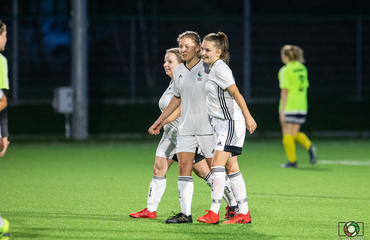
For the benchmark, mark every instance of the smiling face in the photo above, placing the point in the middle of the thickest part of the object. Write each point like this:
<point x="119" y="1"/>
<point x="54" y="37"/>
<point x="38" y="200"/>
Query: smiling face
<point x="3" y="38"/>
<point x="210" y="53"/>
<point x="188" y="49"/>
<point x="170" y="63"/>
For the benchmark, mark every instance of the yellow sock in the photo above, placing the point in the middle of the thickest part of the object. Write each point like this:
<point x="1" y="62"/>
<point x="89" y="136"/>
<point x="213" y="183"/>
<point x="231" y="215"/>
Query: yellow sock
<point x="289" y="146"/>
<point x="303" y="140"/>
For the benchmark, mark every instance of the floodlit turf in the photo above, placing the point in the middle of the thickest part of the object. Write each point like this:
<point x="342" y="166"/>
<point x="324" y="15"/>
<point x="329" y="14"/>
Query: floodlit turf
<point x="87" y="190"/>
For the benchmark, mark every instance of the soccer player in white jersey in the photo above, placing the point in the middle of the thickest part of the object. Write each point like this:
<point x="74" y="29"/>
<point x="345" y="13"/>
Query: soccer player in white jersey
<point x="229" y="117"/>
<point x="194" y="129"/>
<point x="166" y="151"/>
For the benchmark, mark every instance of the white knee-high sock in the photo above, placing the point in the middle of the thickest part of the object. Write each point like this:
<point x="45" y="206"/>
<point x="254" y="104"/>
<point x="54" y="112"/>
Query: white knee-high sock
<point x="186" y="189"/>
<point x="229" y="193"/>
<point x="1" y="222"/>
<point x="238" y="185"/>
<point x="218" y="186"/>
<point x="156" y="190"/>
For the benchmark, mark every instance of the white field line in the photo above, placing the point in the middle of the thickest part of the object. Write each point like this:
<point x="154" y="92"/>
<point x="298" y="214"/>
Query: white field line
<point x="355" y="162"/>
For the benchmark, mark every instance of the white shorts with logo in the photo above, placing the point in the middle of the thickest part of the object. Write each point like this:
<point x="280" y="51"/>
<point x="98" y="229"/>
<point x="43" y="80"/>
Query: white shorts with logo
<point x="191" y="143"/>
<point x="167" y="149"/>
<point x="229" y="135"/>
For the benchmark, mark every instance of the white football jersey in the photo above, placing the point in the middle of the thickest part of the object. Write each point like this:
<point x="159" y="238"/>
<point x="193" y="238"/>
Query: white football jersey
<point x="169" y="129"/>
<point x="189" y="85"/>
<point x="220" y="104"/>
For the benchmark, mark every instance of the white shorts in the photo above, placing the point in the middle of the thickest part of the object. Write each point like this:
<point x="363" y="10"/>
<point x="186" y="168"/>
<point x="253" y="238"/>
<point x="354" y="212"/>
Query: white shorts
<point x="229" y="135"/>
<point x="191" y="143"/>
<point x="167" y="149"/>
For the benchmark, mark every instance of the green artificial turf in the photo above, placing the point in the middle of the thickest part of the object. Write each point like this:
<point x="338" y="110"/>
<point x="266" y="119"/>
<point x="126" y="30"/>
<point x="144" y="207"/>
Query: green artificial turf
<point x="87" y="190"/>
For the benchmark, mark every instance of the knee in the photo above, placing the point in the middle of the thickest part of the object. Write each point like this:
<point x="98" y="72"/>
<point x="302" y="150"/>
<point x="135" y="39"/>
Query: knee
<point x="160" y="170"/>
<point x="232" y="170"/>
<point x="185" y="169"/>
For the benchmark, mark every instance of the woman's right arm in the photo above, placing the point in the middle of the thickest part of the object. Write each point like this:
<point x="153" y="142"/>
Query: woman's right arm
<point x="283" y="97"/>
<point x="175" y="115"/>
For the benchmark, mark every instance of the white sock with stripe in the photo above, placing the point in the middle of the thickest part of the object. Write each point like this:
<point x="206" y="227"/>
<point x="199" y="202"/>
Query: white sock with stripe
<point x="156" y="190"/>
<point x="186" y="190"/>
<point x="218" y="186"/>
<point x="238" y="185"/>
<point x="229" y="193"/>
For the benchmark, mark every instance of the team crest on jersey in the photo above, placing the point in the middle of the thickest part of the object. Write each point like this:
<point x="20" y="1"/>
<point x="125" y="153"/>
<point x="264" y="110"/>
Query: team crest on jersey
<point x="199" y="76"/>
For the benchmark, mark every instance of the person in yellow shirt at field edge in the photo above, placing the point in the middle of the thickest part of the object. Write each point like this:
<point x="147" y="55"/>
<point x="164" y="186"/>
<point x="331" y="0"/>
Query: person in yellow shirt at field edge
<point x="293" y="83"/>
<point x="4" y="224"/>
<point x="4" y="85"/>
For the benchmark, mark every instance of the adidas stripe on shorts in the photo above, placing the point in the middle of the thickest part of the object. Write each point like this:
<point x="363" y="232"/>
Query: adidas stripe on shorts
<point x="229" y="135"/>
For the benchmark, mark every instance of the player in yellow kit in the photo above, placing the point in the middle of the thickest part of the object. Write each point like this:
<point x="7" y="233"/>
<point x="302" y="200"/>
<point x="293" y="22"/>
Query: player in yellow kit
<point x="4" y="85"/>
<point x="293" y="83"/>
<point x="4" y="224"/>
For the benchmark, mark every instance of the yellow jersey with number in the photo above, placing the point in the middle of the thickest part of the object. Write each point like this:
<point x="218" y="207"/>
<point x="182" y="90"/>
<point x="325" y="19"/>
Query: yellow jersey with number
<point x="293" y="76"/>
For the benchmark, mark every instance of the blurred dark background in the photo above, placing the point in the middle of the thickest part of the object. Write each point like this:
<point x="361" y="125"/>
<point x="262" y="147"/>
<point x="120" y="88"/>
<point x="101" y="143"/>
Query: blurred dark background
<point x="335" y="36"/>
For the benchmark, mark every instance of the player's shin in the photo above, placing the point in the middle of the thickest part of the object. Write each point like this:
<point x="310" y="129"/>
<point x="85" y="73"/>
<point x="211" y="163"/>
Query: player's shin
<point x="186" y="189"/>
<point x="156" y="190"/>
<point x="240" y="191"/>
<point x="218" y="186"/>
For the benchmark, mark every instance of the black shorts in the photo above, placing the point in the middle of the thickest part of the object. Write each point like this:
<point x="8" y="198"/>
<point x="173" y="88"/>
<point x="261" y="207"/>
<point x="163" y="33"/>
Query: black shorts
<point x="295" y="118"/>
